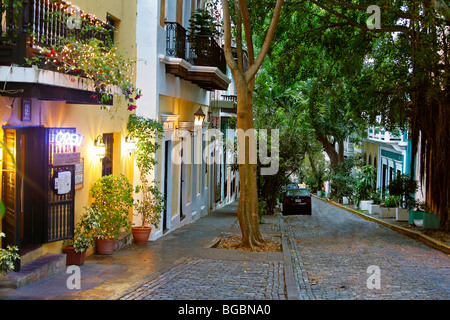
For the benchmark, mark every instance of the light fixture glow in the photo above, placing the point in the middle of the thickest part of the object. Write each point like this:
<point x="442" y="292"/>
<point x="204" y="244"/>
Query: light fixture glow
<point x="100" y="147"/>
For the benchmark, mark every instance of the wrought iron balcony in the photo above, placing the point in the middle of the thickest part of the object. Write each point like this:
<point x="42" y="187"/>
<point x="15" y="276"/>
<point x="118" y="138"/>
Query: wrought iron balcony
<point x="198" y="51"/>
<point x="27" y="26"/>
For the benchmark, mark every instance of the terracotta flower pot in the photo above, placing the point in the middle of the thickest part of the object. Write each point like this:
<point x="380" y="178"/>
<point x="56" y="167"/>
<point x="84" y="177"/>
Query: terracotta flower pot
<point x="105" y="246"/>
<point x="141" y="234"/>
<point x="74" y="258"/>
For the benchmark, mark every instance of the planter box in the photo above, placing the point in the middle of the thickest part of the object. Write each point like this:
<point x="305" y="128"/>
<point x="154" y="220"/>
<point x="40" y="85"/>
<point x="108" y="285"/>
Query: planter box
<point x="415" y="215"/>
<point x="431" y="220"/>
<point x="387" y="213"/>
<point x="365" y="204"/>
<point x="374" y="209"/>
<point x="401" y="214"/>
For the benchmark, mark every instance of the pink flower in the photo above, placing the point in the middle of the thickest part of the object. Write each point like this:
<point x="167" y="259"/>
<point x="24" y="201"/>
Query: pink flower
<point x="131" y="107"/>
<point x="94" y="96"/>
<point x="138" y="96"/>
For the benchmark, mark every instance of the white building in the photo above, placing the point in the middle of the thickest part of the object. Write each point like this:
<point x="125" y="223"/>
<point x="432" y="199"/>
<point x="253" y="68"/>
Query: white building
<point x="176" y="81"/>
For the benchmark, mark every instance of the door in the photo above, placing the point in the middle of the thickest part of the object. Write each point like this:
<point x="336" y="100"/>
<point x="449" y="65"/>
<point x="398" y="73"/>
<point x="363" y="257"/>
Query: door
<point x="107" y="161"/>
<point x="166" y="181"/>
<point x="11" y="185"/>
<point x="182" y="180"/>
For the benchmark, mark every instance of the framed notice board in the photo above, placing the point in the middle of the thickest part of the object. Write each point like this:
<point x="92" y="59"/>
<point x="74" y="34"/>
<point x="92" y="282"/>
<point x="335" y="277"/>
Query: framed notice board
<point x="79" y="174"/>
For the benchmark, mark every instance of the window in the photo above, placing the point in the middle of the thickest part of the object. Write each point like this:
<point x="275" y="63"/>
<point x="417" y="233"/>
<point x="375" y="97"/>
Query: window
<point x="297" y="192"/>
<point x="107" y="161"/>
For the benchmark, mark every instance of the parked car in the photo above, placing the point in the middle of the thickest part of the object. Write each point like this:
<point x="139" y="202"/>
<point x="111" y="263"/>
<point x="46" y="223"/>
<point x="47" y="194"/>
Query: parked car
<point x="296" y="201"/>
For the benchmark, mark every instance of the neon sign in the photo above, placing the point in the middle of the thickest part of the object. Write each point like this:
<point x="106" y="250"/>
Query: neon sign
<point x="68" y="138"/>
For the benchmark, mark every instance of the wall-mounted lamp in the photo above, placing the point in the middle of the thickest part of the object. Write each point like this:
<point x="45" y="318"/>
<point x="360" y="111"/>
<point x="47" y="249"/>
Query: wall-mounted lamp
<point x="100" y="147"/>
<point x="130" y="144"/>
<point x="199" y="118"/>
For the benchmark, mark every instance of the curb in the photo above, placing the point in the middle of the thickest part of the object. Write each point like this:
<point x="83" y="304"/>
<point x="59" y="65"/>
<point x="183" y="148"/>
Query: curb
<point x="289" y="279"/>
<point x="410" y="233"/>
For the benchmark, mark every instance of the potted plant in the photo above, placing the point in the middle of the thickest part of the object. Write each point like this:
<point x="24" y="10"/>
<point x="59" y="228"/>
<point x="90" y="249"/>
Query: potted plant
<point x="8" y="257"/>
<point x="390" y="203"/>
<point x="112" y="201"/>
<point x="148" y="207"/>
<point x="203" y="28"/>
<point x="374" y="207"/>
<point x="76" y="248"/>
<point x="365" y="184"/>
<point x="423" y="216"/>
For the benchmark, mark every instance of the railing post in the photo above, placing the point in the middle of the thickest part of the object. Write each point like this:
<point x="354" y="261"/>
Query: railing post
<point x="23" y="38"/>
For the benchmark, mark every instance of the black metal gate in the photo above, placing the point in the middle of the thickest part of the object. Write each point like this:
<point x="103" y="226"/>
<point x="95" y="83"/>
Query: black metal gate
<point x="59" y="221"/>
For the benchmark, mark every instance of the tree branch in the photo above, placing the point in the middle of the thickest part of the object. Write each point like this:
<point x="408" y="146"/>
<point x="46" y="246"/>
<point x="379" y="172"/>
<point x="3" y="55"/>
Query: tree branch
<point x="359" y="25"/>
<point x="251" y="72"/>
<point x="227" y="34"/>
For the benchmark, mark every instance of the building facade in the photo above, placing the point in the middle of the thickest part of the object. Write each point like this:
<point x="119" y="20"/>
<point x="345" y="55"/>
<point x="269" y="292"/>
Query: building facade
<point x="52" y="123"/>
<point x="179" y="80"/>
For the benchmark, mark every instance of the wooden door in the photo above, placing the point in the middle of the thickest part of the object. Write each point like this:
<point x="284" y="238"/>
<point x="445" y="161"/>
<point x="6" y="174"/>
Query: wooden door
<point x="11" y="224"/>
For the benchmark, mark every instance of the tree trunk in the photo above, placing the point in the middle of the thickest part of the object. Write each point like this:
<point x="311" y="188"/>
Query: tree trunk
<point x="248" y="202"/>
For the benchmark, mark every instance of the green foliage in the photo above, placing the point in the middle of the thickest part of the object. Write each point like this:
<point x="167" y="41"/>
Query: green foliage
<point x="392" y="201"/>
<point x="86" y="230"/>
<point x="405" y="188"/>
<point x="7" y="257"/>
<point x="343" y="183"/>
<point x="145" y="132"/>
<point x="202" y="23"/>
<point x="376" y="197"/>
<point x="365" y="183"/>
<point x="112" y="200"/>
<point x="97" y="61"/>
<point x="279" y="107"/>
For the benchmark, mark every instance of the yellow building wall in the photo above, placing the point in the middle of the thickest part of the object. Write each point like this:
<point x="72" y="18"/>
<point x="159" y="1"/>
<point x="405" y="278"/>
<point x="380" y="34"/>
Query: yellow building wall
<point x="89" y="120"/>
<point x="370" y="149"/>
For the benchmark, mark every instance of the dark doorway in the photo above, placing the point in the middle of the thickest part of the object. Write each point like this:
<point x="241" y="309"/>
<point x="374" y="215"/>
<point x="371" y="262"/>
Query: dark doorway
<point x="166" y="181"/>
<point x="107" y="161"/>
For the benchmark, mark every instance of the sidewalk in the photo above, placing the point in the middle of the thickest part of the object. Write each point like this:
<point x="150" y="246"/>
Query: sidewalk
<point x="181" y="265"/>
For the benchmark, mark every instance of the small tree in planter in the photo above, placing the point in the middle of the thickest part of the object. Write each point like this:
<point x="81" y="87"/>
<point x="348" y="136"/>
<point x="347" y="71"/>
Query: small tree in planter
<point x="404" y="187"/>
<point x="202" y="29"/>
<point x="145" y="132"/>
<point x="113" y="198"/>
<point x="365" y="184"/>
<point x="84" y="237"/>
<point x="8" y="257"/>
<point x="375" y="197"/>
<point x="390" y="203"/>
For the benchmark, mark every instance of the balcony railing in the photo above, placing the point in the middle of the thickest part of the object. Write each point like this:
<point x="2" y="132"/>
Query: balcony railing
<point x="30" y="24"/>
<point x="199" y="50"/>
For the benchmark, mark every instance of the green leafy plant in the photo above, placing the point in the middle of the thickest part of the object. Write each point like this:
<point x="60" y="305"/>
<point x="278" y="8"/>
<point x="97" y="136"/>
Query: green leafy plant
<point x="145" y="132"/>
<point x="392" y="201"/>
<point x="365" y="183"/>
<point x="113" y="197"/>
<point x="375" y="196"/>
<point x="8" y="257"/>
<point x="404" y="187"/>
<point x="85" y="231"/>
<point x="202" y="28"/>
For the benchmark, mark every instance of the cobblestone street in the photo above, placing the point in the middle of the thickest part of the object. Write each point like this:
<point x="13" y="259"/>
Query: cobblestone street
<point x="334" y="248"/>
<point x="330" y="253"/>
<point x="325" y="256"/>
